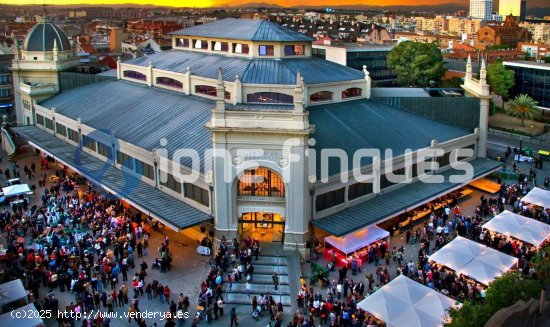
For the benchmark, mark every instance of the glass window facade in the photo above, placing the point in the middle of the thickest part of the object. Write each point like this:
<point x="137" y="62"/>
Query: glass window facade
<point x="182" y="43"/>
<point x="124" y="160"/>
<point x="269" y="97"/>
<point x="145" y="169"/>
<point x="89" y="143"/>
<point x="261" y="182"/>
<point x="266" y="50"/>
<point x="376" y="62"/>
<point x="319" y="53"/>
<point x="294" y="50"/>
<point x="197" y="194"/>
<point x="104" y="150"/>
<point x="352" y="92"/>
<point x="533" y="82"/>
<point x="72" y="135"/>
<point x="210" y="91"/>
<point x="48" y="123"/>
<point x="61" y="129"/>
<point x="39" y="120"/>
<point x="240" y="48"/>
<point x="329" y="199"/>
<point x="134" y="75"/>
<point x="321" y="96"/>
<point x="359" y="189"/>
<point x="167" y="81"/>
<point x="220" y="46"/>
<point x="171" y="183"/>
<point x="200" y="44"/>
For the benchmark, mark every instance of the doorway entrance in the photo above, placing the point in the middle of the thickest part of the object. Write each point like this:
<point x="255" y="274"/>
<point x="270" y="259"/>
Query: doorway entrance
<point x="263" y="226"/>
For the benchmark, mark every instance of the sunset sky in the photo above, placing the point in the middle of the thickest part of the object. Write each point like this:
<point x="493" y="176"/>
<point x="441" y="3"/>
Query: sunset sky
<point x="285" y="3"/>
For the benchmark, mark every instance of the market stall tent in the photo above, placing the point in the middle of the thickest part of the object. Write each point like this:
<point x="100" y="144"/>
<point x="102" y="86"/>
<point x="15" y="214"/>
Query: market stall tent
<point x="28" y="317"/>
<point x="478" y="261"/>
<point x="404" y="302"/>
<point x="16" y="190"/>
<point x="538" y="196"/>
<point x="523" y="228"/>
<point x="358" y="240"/>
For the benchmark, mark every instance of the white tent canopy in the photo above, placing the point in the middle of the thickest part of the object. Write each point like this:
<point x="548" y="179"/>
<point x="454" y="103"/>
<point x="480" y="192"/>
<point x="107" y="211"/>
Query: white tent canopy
<point x="12" y="291"/>
<point x="404" y="302"/>
<point x="16" y="190"/>
<point x="474" y="260"/>
<point x="358" y="240"/>
<point x="27" y="318"/>
<point x="538" y="196"/>
<point x="523" y="228"/>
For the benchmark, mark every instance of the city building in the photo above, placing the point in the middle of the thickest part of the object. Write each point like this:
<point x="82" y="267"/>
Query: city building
<point x="534" y="50"/>
<point x="533" y="79"/>
<point x="443" y="41"/>
<point x="7" y="103"/>
<point x="155" y="28"/>
<point x="460" y="26"/>
<point x="356" y="55"/>
<point x="515" y="8"/>
<point x="233" y="124"/>
<point x="508" y="33"/>
<point x="540" y="31"/>
<point x="482" y="9"/>
<point x="116" y="37"/>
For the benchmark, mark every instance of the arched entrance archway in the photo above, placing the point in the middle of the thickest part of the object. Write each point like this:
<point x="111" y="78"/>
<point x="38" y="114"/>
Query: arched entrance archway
<point x="261" y="205"/>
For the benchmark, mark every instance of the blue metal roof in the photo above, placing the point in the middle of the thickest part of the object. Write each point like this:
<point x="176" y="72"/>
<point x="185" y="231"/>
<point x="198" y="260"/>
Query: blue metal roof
<point x="244" y="29"/>
<point x="364" y="123"/>
<point x="251" y="70"/>
<point x="160" y="205"/>
<point x="390" y="204"/>
<point x="140" y="115"/>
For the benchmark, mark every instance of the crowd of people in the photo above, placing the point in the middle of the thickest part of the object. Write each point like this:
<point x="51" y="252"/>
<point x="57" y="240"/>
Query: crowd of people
<point x="235" y="260"/>
<point x="78" y="240"/>
<point x="334" y="302"/>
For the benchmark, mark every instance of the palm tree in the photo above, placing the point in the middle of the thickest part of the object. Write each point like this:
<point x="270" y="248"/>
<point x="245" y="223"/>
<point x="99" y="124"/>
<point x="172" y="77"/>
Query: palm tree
<point x="523" y="106"/>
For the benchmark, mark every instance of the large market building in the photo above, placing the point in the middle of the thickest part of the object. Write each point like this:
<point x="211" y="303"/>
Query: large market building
<point x="234" y="94"/>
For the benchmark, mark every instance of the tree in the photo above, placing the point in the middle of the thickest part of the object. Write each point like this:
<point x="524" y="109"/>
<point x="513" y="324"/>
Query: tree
<point x="523" y="106"/>
<point x="500" y="79"/>
<point x="416" y="64"/>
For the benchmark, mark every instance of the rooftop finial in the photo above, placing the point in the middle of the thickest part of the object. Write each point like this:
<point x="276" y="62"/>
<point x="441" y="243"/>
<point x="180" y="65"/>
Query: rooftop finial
<point x="220" y="76"/>
<point x="298" y="78"/>
<point x="45" y="11"/>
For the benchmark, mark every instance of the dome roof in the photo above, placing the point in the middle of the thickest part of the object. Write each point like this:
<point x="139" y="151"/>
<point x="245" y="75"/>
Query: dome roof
<point x="42" y="35"/>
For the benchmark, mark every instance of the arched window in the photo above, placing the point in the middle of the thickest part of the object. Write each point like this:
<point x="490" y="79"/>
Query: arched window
<point x="210" y="91"/>
<point x="134" y="75"/>
<point x="352" y="92"/>
<point x="167" y="81"/>
<point x="321" y="96"/>
<point x="261" y="182"/>
<point x="269" y="97"/>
